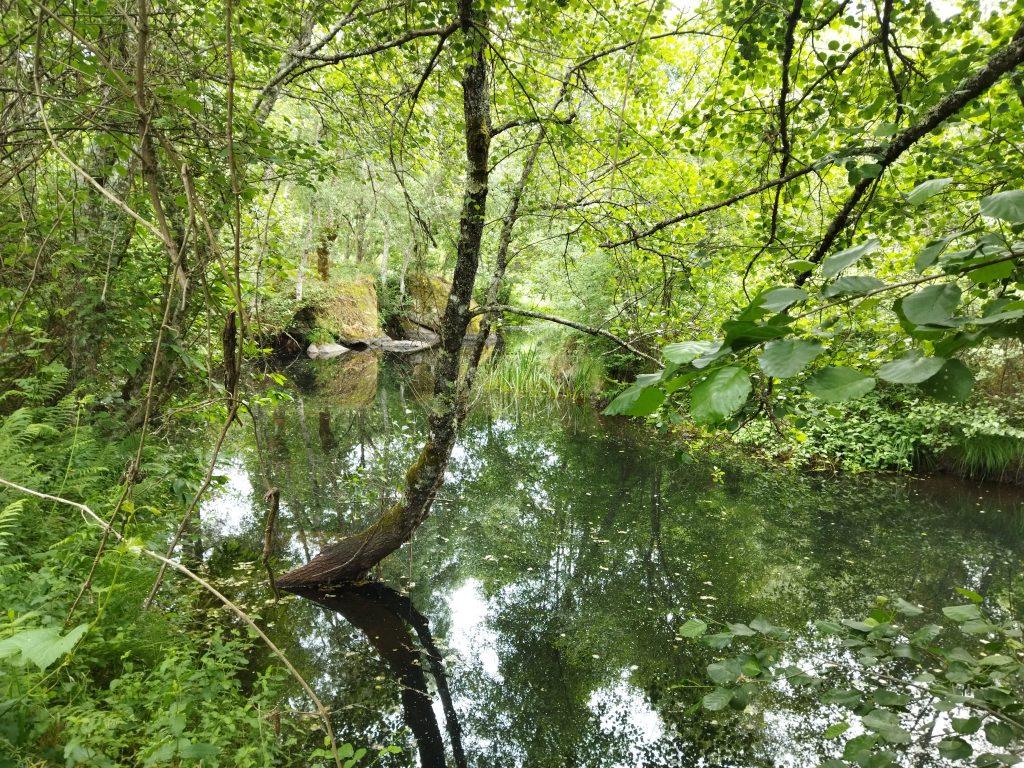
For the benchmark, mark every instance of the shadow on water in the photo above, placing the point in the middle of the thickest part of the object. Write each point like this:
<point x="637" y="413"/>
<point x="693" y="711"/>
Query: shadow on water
<point x="402" y="638"/>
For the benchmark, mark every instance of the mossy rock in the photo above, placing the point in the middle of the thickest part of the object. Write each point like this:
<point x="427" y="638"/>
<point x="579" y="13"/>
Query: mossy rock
<point x="350" y="312"/>
<point x="427" y="297"/>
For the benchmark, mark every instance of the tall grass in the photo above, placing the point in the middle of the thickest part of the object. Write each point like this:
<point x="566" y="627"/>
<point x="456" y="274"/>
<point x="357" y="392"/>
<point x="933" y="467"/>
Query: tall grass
<point x="991" y="457"/>
<point x="541" y="367"/>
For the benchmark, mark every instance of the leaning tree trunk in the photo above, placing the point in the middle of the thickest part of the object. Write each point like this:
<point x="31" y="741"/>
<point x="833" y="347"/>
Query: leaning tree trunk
<point x="353" y="557"/>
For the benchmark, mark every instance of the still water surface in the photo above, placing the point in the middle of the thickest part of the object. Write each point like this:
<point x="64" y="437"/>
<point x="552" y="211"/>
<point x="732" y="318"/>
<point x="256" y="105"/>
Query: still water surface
<point x="534" y="620"/>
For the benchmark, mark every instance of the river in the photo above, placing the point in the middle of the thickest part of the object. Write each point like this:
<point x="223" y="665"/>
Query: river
<point x="534" y="620"/>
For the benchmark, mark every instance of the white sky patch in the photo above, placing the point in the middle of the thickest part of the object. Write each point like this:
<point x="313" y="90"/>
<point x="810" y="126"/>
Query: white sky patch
<point x="624" y="710"/>
<point x="227" y="510"/>
<point x="469" y="636"/>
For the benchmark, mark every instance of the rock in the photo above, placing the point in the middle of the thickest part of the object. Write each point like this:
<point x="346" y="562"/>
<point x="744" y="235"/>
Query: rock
<point x="327" y="351"/>
<point x="351" y="313"/>
<point x="313" y="350"/>
<point x="428" y="296"/>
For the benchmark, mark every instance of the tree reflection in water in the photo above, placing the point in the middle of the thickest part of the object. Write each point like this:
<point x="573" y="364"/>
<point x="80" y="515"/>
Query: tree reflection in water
<point x="392" y="624"/>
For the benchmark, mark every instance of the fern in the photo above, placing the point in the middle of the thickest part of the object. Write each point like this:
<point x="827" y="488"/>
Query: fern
<point x="8" y="521"/>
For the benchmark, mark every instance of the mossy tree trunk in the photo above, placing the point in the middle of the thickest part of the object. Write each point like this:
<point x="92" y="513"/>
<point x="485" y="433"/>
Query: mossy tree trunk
<point x="352" y="558"/>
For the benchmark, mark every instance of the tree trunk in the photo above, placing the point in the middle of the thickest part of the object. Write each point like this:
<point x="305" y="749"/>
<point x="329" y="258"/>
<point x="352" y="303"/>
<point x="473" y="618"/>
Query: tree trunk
<point x="352" y="558"/>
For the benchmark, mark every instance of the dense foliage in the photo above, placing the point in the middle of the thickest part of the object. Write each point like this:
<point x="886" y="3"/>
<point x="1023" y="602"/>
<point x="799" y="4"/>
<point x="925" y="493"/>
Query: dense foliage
<point x="799" y="221"/>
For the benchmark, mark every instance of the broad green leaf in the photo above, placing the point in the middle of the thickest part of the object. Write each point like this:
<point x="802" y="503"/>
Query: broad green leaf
<point x="954" y="748"/>
<point x="995" y="660"/>
<point x="852" y="285"/>
<point x="42" y="646"/>
<point x="1008" y="206"/>
<point x="930" y="253"/>
<point x="778" y="299"/>
<point x="693" y="628"/>
<point x="717" y="700"/>
<point x="971" y="595"/>
<point x="966" y="725"/>
<point x="684" y="352"/>
<point x="998" y="734"/>
<point x="911" y="368"/>
<point x="962" y="612"/>
<point x="933" y="305"/>
<point x="723" y="672"/>
<point x="927" y="189"/>
<point x="787" y="357"/>
<point x="720" y="395"/>
<point x="907" y="608"/>
<point x="836" y="384"/>
<point x="636" y="401"/>
<point x="885" y="698"/>
<point x="993" y="272"/>
<point x="953" y="383"/>
<point x="836" y="263"/>
<point x="878" y="719"/>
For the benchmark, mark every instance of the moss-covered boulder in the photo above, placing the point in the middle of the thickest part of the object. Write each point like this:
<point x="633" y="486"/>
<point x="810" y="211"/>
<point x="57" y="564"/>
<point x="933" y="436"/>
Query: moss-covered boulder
<point x="427" y="296"/>
<point x="349" y="313"/>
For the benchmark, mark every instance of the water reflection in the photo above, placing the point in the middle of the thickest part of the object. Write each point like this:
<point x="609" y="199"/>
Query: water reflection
<point x="562" y="557"/>
<point x="390" y="622"/>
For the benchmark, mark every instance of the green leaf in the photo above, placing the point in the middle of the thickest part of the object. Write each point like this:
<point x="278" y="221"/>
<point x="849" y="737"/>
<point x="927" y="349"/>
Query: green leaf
<point x="685" y="352"/>
<point x="970" y="594"/>
<point x="885" y="698"/>
<point x="836" y="729"/>
<point x="778" y="299"/>
<point x="836" y="263"/>
<point x="717" y="700"/>
<point x="693" y="628"/>
<point x="720" y="395"/>
<point x="998" y="734"/>
<point x="927" y="189"/>
<point x="955" y="748"/>
<point x="836" y="384"/>
<point x="1008" y="206"/>
<point x="952" y="384"/>
<point x="726" y="671"/>
<point x="852" y="285"/>
<point x="907" y="608"/>
<point x="787" y="357"/>
<point x="741" y="630"/>
<point x="42" y="646"/>
<point x="930" y="253"/>
<point x="636" y="401"/>
<point x="881" y="719"/>
<point x="995" y="660"/>
<point x="962" y="613"/>
<point x="933" y="305"/>
<point x="911" y="368"/>
<point x="991" y="273"/>
<point x="966" y="725"/>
